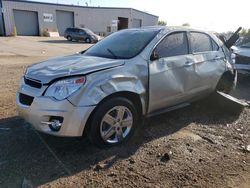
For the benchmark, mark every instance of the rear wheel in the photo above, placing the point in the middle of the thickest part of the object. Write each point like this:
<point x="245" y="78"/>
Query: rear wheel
<point x="114" y="122"/>
<point x="69" y="38"/>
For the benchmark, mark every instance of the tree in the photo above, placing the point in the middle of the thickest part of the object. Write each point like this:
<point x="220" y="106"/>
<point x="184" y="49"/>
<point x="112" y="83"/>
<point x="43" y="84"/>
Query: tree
<point x="245" y="32"/>
<point x="186" y="24"/>
<point x="161" y="22"/>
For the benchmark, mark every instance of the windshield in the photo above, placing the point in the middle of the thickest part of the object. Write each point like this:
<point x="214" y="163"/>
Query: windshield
<point x="243" y="42"/>
<point x="89" y="31"/>
<point x="124" y="44"/>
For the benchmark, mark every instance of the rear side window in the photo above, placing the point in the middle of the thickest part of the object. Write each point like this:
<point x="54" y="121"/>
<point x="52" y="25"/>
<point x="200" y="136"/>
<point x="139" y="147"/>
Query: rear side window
<point x="173" y="45"/>
<point x="200" y="42"/>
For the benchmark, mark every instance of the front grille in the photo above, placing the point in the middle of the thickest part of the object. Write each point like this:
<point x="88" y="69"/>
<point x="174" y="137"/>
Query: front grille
<point x="33" y="83"/>
<point x="25" y="99"/>
<point x="239" y="59"/>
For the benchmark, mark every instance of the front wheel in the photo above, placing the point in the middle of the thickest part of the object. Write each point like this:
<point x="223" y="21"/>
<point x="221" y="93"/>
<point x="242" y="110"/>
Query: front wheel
<point x="87" y="40"/>
<point x="114" y="122"/>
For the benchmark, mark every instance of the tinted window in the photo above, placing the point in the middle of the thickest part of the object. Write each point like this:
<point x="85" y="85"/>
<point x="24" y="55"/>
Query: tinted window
<point x="69" y="30"/>
<point x="124" y="44"/>
<point x="173" y="45"/>
<point x="82" y="31"/>
<point x="200" y="42"/>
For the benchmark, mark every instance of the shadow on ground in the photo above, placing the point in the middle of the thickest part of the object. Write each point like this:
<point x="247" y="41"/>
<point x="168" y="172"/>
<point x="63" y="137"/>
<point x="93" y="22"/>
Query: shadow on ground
<point x="62" y="42"/>
<point x="243" y="88"/>
<point x="24" y="154"/>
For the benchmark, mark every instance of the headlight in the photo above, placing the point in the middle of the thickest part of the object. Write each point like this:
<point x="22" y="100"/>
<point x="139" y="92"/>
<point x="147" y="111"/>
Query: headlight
<point x="64" y="88"/>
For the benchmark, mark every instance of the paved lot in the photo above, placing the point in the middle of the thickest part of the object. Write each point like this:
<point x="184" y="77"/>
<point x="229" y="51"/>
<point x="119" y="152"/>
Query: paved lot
<point x="205" y="144"/>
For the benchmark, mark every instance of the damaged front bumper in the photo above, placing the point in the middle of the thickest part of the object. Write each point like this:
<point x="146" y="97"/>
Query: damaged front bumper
<point x="41" y="110"/>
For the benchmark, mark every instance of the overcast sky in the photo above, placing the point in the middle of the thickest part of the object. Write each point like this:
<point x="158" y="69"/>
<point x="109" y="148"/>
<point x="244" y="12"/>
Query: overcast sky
<point x="216" y="15"/>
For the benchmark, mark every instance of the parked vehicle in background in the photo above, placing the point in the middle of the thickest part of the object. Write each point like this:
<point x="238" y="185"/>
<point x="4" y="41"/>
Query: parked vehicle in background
<point x="242" y="55"/>
<point x="81" y="34"/>
<point x="106" y="90"/>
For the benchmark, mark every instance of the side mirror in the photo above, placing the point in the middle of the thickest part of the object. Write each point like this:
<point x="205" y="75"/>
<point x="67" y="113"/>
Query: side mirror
<point x="154" y="56"/>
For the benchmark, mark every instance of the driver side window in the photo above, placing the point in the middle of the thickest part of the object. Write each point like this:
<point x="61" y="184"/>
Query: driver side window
<point x="81" y="32"/>
<point x="173" y="45"/>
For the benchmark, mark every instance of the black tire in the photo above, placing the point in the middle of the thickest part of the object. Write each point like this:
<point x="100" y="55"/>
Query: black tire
<point x="94" y="133"/>
<point x="88" y="40"/>
<point x="69" y="38"/>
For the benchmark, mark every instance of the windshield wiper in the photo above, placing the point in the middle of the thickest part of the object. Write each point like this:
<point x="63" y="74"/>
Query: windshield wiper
<point x="111" y="52"/>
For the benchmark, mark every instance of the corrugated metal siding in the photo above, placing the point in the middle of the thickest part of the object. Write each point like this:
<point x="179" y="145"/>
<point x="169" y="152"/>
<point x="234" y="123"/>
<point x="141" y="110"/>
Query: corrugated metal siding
<point x="95" y="18"/>
<point x="136" y="23"/>
<point x="64" y="20"/>
<point x="147" y="19"/>
<point x="26" y="23"/>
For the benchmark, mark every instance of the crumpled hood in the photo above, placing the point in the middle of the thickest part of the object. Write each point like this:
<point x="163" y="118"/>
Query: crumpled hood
<point x="76" y="64"/>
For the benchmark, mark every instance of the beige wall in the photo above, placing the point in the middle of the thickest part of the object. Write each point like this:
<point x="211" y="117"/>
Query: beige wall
<point x="97" y="19"/>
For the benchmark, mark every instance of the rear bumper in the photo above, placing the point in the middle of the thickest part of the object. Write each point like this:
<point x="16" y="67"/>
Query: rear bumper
<point x="43" y="108"/>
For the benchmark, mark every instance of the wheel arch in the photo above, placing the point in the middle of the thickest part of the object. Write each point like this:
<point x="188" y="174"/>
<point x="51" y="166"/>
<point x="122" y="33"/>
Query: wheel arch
<point x="133" y="97"/>
<point x="228" y="79"/>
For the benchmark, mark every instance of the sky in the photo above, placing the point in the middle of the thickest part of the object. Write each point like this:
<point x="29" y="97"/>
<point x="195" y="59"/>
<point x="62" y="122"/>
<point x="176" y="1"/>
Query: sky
<point x="213" y="15"/>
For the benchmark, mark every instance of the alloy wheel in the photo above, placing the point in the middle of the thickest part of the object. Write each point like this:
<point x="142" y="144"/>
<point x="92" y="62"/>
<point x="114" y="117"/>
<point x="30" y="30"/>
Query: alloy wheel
<point x="116" y="124"/>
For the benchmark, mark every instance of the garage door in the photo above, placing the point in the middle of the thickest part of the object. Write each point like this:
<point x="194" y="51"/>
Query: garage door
<point x="26" y="23"/>
<point x="64" y="20"/>
<point x="136" y="23"/>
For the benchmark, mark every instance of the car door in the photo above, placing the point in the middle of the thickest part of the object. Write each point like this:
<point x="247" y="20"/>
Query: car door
<point x="209" y="61"/>
<point x="82" y="34"/>
<point x="171" y="73"/>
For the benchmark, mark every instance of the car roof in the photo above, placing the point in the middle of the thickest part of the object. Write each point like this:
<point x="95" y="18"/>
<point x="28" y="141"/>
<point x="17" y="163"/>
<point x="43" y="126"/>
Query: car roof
<point x="173" y="28"/>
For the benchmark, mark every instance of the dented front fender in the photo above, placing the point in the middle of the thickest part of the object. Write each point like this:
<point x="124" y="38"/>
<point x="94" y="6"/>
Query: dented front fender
<point x="131" y="77"/>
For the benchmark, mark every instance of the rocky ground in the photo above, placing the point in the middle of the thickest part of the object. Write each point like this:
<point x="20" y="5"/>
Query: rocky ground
<point x="199" y="146"/>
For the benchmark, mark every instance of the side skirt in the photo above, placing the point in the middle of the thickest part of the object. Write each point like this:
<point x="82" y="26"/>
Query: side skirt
<point x="164" y="110"/>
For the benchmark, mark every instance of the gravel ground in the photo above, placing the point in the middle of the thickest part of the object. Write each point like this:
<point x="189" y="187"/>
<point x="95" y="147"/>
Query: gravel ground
<point x="198" y="146"/>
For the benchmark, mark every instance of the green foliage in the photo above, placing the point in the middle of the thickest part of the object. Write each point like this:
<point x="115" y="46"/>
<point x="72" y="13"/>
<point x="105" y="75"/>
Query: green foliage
<point x="161" y="22"/>
<point x="245" y="32"/>
<point x="186" y="24"/>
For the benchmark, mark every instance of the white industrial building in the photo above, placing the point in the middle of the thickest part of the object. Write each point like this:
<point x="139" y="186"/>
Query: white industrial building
<point x="34" y="18"/>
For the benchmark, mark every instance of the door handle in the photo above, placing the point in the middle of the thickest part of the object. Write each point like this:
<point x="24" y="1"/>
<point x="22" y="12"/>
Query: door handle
<point x="218" y="57"/>
<point x="188" y="63"/>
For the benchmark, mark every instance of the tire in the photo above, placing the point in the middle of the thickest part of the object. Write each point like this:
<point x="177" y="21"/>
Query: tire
<point x="69" y="38"/>
<point x="107" y="128"/>
<point x="87" y="40"/>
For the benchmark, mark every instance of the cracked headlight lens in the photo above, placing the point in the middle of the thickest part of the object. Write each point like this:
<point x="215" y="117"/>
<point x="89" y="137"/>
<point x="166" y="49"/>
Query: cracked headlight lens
<point x="64" y="88"/>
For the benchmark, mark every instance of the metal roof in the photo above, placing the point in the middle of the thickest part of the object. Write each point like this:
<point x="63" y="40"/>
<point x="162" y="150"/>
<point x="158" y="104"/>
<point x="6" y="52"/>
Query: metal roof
<point x="78" y="6"/>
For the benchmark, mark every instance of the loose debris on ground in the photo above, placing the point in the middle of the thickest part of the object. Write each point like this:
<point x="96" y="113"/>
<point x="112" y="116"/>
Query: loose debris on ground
<point x="202" y="145"/>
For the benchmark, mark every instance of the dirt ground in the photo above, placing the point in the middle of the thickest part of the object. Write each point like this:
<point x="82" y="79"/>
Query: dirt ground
<point x="198" y="146"/>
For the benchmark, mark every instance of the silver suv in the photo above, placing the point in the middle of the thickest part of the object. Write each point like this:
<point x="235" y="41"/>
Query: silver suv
<point x="106" y="90"/>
